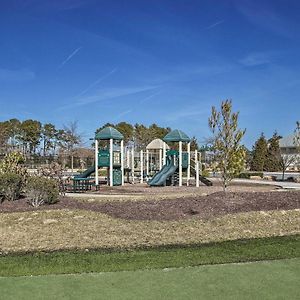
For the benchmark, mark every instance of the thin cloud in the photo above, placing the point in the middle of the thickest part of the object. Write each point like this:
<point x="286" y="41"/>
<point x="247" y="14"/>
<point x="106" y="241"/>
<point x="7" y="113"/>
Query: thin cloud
<point x="215" y="24"/>
<point x="107" y="95"/>
<point x="256" y="59"/>
<point x="100" y="79"/>
<point x="122" y="114"/>
<point x="149" y="97"/>
<point x="70" y="57"/>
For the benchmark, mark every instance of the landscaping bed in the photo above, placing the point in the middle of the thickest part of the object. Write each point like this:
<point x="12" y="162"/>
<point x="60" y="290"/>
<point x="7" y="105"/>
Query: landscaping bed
<point x="204" y="207"/>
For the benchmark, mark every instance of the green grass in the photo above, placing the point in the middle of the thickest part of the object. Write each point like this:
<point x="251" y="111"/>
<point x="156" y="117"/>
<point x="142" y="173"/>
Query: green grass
<point x="66" y="262"/>
<point x="259" y="280"/>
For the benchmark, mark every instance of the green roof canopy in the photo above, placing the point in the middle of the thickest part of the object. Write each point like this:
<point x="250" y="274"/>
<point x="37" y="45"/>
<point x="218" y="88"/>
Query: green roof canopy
<point x="176" y="136"/>
<point x="108" y="133"/>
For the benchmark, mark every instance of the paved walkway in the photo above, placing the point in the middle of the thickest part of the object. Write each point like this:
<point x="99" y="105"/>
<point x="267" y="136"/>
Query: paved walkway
<point x="283" y="184"/>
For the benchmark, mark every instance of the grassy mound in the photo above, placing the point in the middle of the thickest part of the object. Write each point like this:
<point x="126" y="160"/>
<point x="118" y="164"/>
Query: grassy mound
<point x="78" y="261"/>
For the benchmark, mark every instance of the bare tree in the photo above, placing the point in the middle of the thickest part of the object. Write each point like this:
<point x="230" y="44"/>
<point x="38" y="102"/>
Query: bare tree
<point x="71" y="139"/>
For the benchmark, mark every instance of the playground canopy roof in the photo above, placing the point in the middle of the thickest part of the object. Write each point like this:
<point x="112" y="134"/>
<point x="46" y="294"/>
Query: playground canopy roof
<point x="156" y="144"/>
<point x="108" y="133"/>
<point x="176" y="136"/>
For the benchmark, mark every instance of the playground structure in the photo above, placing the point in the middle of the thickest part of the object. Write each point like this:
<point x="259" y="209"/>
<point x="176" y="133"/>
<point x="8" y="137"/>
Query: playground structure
<point x="159" y="165"/>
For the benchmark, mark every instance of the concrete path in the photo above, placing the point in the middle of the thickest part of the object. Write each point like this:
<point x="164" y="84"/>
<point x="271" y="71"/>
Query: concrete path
<point x="283" y="184"/>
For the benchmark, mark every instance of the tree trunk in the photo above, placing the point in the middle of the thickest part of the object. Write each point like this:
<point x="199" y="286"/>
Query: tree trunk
<point x="72" y="163"/>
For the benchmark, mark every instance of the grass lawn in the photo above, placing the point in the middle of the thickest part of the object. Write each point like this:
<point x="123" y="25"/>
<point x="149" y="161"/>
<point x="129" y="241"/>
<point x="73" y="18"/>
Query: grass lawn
<point x="259" y="280"/>
<point x="64" y="262"/>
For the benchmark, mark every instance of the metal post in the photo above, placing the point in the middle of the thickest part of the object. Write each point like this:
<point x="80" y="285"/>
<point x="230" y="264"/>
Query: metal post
<point x="122" y="161"/>
<point x="189" y="163"/>
<point x="111" y="153"/>
<point x="96" y="164"/>
<point x="180" y="163"/>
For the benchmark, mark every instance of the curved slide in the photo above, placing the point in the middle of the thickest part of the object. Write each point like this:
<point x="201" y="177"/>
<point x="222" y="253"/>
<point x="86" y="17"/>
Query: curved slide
<point x="160" y="178"/>
<point x="86" y="173"/>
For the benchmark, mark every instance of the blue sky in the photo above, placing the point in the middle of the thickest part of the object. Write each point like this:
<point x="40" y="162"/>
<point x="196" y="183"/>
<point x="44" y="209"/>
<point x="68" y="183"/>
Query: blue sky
<point x="155" y="61"/>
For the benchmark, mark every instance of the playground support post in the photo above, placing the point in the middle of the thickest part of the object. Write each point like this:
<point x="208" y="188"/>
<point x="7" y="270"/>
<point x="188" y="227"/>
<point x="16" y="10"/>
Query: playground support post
<point x="200" y="164"/>
<point x="127" y="159"/>
<point x="189" y="163"/>
<point x="197" y="173"/>
<point x="164" y="153"/>
<point x="180" y="163"/>
<point x="160" y="158"/>
<point x="142" y="166"/>
<point x="132" y="164"/>
<point x="111" y="153"/>
<point x="96" y="163"/>
<point x="122" y="161"/>
<point x="147" y="162"/>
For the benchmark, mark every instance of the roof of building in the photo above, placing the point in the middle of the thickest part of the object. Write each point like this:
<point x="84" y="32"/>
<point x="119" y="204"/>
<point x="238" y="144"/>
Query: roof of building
<point x="176" y="136"/>
<point x="108" y="133"/>
<point x="287" y="141"/>
<point x="156" y="144"/>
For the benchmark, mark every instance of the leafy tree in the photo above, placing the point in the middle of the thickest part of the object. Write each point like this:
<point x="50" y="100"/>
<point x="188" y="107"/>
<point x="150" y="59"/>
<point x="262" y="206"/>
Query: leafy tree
<point x="127" y="130"/>
<point x="272" y="162"/>
<point x="259" y="154"/>
<point x="48" y="135"/>
<point x="229" y="153"/>
<point x="194" y="144"/>
<point x="30" y="135"/>
<point x="4" y="135"/>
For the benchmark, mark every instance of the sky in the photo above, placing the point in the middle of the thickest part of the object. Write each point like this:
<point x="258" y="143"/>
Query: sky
<point x="151" y="61"/>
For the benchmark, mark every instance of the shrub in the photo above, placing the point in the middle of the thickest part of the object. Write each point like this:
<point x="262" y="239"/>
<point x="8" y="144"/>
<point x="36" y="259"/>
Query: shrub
<point x="40" y="190"/>
<point x="11" y="185"/>
<point x="247" y="175"/>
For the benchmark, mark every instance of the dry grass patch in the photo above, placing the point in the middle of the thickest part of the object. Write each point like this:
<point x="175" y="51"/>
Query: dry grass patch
<point x="67" y="229"/>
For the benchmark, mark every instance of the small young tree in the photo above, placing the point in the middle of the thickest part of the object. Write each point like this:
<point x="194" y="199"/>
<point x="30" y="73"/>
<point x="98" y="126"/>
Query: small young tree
<point x="230" y="154"/>
<point x="285" y="161"/>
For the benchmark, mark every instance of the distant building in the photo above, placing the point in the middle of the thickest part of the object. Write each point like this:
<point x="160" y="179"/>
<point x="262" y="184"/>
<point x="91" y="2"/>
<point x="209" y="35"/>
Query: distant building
<point x="288" y="147"/>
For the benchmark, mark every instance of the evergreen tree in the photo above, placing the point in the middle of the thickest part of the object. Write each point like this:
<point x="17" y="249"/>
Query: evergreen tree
<point x="259" y="154"/>
<point x="272" y="163"/>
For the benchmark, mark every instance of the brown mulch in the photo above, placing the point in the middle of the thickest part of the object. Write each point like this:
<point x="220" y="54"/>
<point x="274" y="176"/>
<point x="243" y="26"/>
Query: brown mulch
<point x="204" y="207"/>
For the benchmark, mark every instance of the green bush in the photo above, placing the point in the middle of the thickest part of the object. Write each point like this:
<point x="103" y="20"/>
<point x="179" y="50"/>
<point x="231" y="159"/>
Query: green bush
<point x="247" y="175"/>
<point x="41" y="190"/>
<point x="11" y="185"/>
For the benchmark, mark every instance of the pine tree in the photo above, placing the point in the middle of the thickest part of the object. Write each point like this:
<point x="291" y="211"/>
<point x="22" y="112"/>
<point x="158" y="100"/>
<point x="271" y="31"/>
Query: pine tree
<point x="259" y="154"/>
<point x="272" y="163"/>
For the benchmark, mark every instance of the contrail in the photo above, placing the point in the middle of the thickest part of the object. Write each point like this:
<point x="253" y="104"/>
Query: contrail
<point x="70" y="56"/>
<point x="149" y="97"/>
<point x="215" y="24"/>
<point x="96" y="82"/>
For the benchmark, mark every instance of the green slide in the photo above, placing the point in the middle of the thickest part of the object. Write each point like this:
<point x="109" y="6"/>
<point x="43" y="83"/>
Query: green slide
<point x="160" y="178"/>
<point x="86" y="173"/>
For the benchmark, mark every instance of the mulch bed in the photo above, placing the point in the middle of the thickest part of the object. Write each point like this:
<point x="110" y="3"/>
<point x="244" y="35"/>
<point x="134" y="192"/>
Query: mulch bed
<point x="204" y="207"/>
